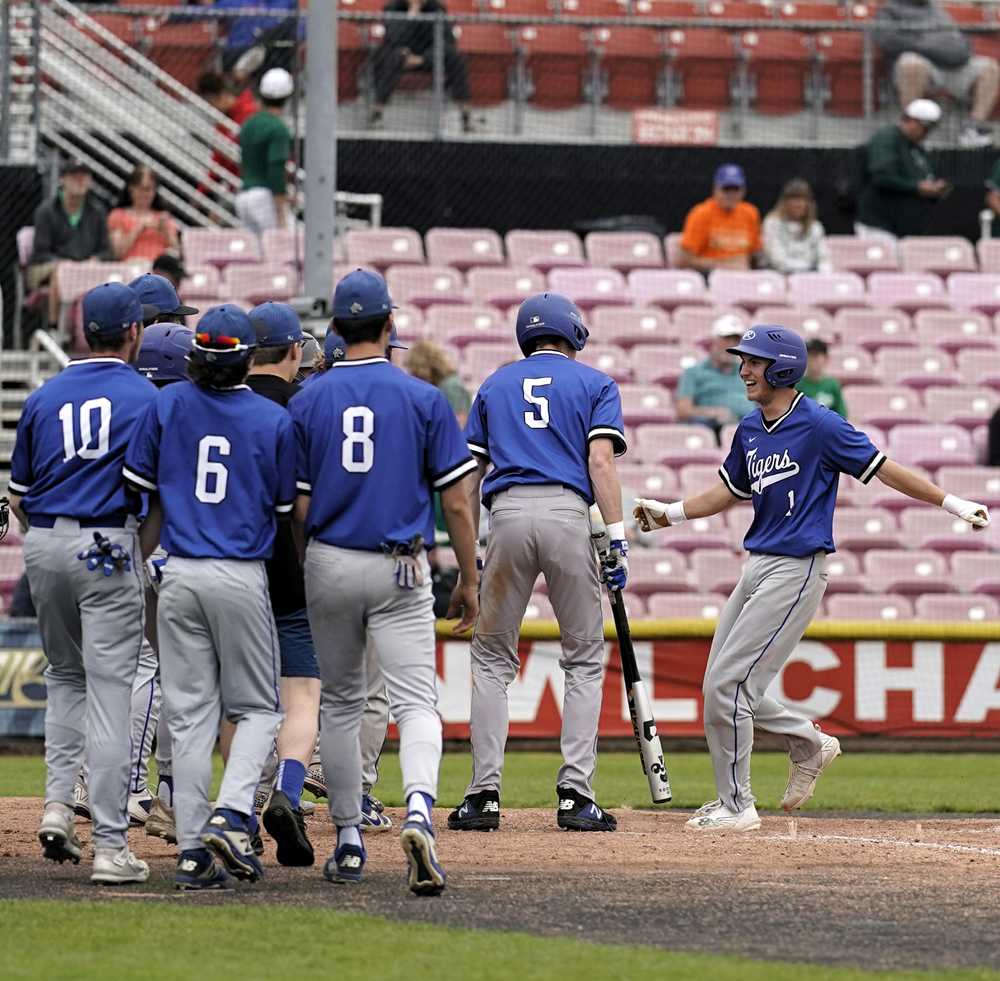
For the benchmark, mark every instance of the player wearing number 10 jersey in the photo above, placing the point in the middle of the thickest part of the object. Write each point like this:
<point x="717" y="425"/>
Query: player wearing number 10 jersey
<point x="222" y="460"/>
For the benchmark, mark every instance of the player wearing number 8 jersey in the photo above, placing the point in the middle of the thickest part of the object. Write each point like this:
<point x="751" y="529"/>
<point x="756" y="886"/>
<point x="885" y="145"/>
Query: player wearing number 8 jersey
<point x="222" y="461"/>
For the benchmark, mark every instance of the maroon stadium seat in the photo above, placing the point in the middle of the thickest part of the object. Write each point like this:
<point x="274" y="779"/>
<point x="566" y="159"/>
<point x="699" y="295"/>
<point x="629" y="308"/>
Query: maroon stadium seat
<point x="463" y="248"/>
<point x="624" y="250"/>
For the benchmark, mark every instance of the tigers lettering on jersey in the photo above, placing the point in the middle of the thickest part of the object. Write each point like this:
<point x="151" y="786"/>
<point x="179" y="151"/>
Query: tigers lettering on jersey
<point x="534" y="420"/>
<point x="71" y="440"/>
<point x="790" y="468"/>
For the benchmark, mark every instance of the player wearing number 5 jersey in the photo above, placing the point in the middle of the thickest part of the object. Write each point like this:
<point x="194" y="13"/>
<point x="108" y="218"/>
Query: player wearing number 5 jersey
<point x="222" y="461"/>
<point x="374" y="444"/>
<point x="551" y="428"/>
<point x="786" y="458"/>
<point x="66" y="483"/>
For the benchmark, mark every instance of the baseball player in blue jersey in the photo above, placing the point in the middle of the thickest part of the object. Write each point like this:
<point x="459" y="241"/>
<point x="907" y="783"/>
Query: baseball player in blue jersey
<point x="374" y="444"/>
<point x="786" y="458"/>
<point x="551" y="428"/>
<point x="222" y="461"/>
<point x="66" y="486"/>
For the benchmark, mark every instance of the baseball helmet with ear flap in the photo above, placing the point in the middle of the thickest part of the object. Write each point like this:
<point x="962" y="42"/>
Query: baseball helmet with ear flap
<point x="782" y="347"/>
<point x="550" y="315"/>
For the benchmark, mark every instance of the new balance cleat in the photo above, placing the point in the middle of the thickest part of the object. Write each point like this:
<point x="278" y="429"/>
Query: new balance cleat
<point x="345" y="865"/>
<point x="372" y="818"/>
<point x="161" y="822"/>
<point x="287" y="827"/>
<point x="721" y="819"/>
<point x="426" y="877"/>
<point x="579" y="813"/>
<point x="56" y="833"/>
<point x="232" y="843"/>
<point x="197" y="870"/>
<point x="478" y="812"/>
<point x="802" y="776"/>
<point x="117" y="867"/>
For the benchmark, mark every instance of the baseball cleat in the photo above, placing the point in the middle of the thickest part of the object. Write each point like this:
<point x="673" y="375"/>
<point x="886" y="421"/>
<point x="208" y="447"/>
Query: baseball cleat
<point x="478" y="812"/>
<point x="579" y="813"/>
<point x="315" y="782"/>
<point x="117" y="867"/>
<point x="197" y="869"/>
<point x="710" y="806"/>
<point x="802" y="776"/>
<point x="372" y="818"/>
<point x="56" y="833"/>
<point x="161" y="823"/>
<point x="307" y="807"/>
<point x="287" y="827"/>
<point x="426" y="876"/>
<point x="232" y="843"/>
<point x="139" y="806"/>
<point x="260" y="798"/>
<point x="721" y="819"/>
<point x="345" y="865"/>
<point x="81" y="800"/>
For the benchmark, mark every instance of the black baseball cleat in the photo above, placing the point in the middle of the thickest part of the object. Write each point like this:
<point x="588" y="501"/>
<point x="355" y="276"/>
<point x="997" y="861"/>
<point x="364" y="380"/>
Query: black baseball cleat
<point x="579" y="813"/>
<point x="287" y="827"/>
<point x="478" y="812"/>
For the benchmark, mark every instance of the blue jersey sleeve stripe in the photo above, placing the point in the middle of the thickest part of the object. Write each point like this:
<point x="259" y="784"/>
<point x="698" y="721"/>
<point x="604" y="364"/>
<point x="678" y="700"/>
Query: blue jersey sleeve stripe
<point x="606" y="432"/>
<point x="453" y="475"/>
<point x="142" y="482"/>
<point x="479" y="450"/>
<point x="733" y="489"/>
<point x="873" y="466"/>
<point x="302" y="487"/>
<point x="17" y="488"/>
<point x="283" y="508"/>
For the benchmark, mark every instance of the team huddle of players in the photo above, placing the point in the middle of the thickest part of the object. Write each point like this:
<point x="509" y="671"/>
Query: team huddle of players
<point x="276" y="537"/>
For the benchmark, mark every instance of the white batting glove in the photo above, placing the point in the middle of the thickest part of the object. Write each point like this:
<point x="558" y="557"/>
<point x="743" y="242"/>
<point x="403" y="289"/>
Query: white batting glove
<point x="978" y="515"/>
<point x="656" y="514"/>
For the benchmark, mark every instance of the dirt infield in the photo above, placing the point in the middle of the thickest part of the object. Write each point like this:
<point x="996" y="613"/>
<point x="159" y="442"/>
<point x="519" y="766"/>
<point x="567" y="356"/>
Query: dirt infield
<point x="871" y="892"/>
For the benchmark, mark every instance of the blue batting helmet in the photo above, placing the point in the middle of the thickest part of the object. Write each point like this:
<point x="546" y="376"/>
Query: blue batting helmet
<point x="782" y="347"/>
<point x="550" y="315"/>
<point x="163" y="352"/>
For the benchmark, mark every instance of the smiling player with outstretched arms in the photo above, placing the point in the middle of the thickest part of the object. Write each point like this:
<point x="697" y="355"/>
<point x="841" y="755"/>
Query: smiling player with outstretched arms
<point x="786" y="459"/>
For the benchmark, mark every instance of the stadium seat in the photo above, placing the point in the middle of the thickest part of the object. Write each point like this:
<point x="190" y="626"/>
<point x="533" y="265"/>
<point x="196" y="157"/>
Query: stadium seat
<point x="745" y="289"/>
<point x="623" y="250"/>
<point x="555" y="57"/>
<point x="850" y="606"/>
<point x="591" y="8"/>
<point x="969" y="13"/>
<point x="646" y="403"/>
<point x="627" y="326"/>
<point x="951" y="330"/>
<point x="609" y="358"/>
<point x="812" y="323"/>
<point x="694" y="324"/>
<point x="907" y="572"/>
<point x="219" y="246"/>
<point x="659" y="570"/>
<point x="806" y="11"/>
<point x="409" y="323"/>
<point x="685" y="606"/>
<point x="462" y="248"/>
<point x="843" y="572"/>
<point x="936" y="529"/>
<point x="738" y="519"/>
<point x="737" y="10"/>
<point x="831" y="291"/>
<point x="590" y="286"/>
<point x="635" y="607"/>
<point x="968" y="407"/>
<point x="701" y="61"/>
<point x="672" y="249"/>
<point x="656" y="482"/>
<point x="852" y="366"/>
<point x="980" y="367"/>
<point x="841" y="57"/>
<point x="861" y="529"/>
<point x="936" y="254"/>
<point x="423" y="285"/>
<point x="715" y="570"/>
<point x="877" y="495"/>
<point x="202" y="283"/>
<point x="666" y="288"/>
<point x="489" y="54"/>
<point x="286" y="246"/>
<point x="980" y="484"/>
<point x="631" y="63"/>
<point x="11" y="563"/>
<point x="461" y="324"/>
<point x="382" y="247"/>
<point x="503" y="286"/>
<point x="701" y="533"/>
<point x="677" y="444"/>
<point x="665" y="9"/>
<point x="697" y="477"/>
<point x="544" y="250"/>
<point x="931" y="446"/>
<point x="352" y="54"/>
<point x="988" y="253"/>
<point x="778" y="63"/>
<point x="974" y="609"/>
<point x="481" y="359"/>
<point x="662" y="364"/>
<point x="907" y="291"/>
<point x="861" y="255"/>
<point x="882" y="405"/>
<point x="976" y="572"/>
<point x="77" y="278"/>
<point x="258" y="283"/>
<point x="975" y="291"/>
<point x="916" y="367"/>
<point x="874" y="328"/>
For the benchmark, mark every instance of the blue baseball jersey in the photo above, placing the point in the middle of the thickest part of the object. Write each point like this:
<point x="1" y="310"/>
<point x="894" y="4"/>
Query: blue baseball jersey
<point x="71" y="441"/>
<point x="223" y="463"/>
<point x="534" y="420"/>
<point x="373" y="446"/>
<point x="790" y="469"/>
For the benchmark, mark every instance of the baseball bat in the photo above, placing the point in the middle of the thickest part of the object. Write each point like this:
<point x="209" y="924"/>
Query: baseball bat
<point x="643" y="723"/>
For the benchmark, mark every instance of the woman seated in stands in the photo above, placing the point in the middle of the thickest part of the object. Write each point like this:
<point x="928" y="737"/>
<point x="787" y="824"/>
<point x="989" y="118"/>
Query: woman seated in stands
<point x="794" y="240"/>
<point x="139" y="229"/>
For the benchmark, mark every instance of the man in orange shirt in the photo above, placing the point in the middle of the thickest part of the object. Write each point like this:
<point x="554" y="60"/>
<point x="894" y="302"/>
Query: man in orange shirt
<point x="724" y="231"/>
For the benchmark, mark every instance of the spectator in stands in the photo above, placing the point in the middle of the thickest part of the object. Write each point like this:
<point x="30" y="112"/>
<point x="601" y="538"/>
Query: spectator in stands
<point x="936" y="57"/>
<point x="897" y="183"/>
<point x="72" y="226"/>
<point x="429" y="363"/>
<point x="261" y="43"/>
<point x="794" y="239"/>
<point x="408" y="46"/>
<point x="140" y="228"/>
<point x="816" y="383"/>
<point x="712" y="393"/>
<point x="213" y="88"/>
<point x="723" y="232"/>
<point x="170" y="268"/>
<point x="265" y="149"/>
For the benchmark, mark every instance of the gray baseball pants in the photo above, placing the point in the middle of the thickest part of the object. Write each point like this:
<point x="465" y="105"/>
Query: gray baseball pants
<point x="218" y="657"/>
<point x="764" y="619"/>
<point x="538" y="529"/>
<point x="353" y="601"/>
<point x="91" y="627"/>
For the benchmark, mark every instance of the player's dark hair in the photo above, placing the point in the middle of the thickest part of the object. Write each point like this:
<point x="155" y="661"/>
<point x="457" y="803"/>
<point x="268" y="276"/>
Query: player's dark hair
<point x="206" y="375"/>
<point x="365" y="331"/>
<point x="165" y="318"/>
<point x="536" y="342"/>
<point x="209" y="84"/>
<point x="271" y="355"/>
<point x="107" y="345"/>
<point x="816" y="346"/>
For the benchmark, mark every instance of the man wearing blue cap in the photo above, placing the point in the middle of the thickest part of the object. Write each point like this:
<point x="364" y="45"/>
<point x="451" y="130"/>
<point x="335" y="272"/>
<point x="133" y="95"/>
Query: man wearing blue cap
<point x="373" y="446"/>
<point x="723" y="232"/>
<point x="159" y="292"/>
<point x="222" y="461"/>
<point x="66" y="486"/>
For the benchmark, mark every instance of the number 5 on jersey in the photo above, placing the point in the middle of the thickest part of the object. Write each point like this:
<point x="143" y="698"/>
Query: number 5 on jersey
<point x="539" y="419"/>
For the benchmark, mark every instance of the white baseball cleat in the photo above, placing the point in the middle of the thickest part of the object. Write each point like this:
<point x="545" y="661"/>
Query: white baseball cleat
<point x="138" y="808"/>
<point x="724" y="820"/>
<point x="802" y="776"/>
<point x="117" y="866"/>
<point x="81" y="800"/>
<point x="56" y="834"/>
<point x="710" y="806"/>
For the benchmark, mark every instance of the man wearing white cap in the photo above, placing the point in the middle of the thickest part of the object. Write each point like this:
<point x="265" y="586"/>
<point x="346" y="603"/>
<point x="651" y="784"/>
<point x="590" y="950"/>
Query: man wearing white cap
<point x="265" y="148"/>
<point x="898" y="183"/>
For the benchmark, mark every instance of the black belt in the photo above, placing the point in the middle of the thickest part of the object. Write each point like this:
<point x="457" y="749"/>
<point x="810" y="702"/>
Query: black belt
<point x="108" y="521"/>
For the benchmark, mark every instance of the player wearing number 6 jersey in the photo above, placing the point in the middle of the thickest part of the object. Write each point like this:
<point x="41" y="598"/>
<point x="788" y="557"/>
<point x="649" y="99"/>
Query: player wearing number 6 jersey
<point x="222" y="461"/>
<point x="786" y="458"/>
<point x="551" y="428"/>
<point x="374" y="444"/>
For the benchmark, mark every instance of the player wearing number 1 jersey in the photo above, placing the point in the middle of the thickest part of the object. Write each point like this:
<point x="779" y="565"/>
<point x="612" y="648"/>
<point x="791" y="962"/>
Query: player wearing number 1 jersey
<point x="222" y="461"/>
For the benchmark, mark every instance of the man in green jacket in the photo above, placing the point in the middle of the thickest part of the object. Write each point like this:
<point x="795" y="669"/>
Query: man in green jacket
<point x="898" y="183"/>
<point x="817" y="384"/>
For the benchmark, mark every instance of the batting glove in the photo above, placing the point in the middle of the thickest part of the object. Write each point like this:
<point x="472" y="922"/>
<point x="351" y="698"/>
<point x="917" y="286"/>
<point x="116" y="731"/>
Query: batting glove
<point x="978" y="515"/>
<point x="109" y="557"/>
<point x="154" y="572"/>
<point x="656" y="514"/>
<point x="408" y="573"/>
<point x="615" y="568"/>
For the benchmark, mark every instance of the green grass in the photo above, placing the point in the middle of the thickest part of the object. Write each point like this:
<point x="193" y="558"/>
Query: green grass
<point x="202" y="941"/>
<point x="915" y="782"/>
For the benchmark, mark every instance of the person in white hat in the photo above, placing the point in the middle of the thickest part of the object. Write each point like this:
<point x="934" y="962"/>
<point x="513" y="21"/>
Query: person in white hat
<point x="898" y="184"/>
<point x="265" y="149"/>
